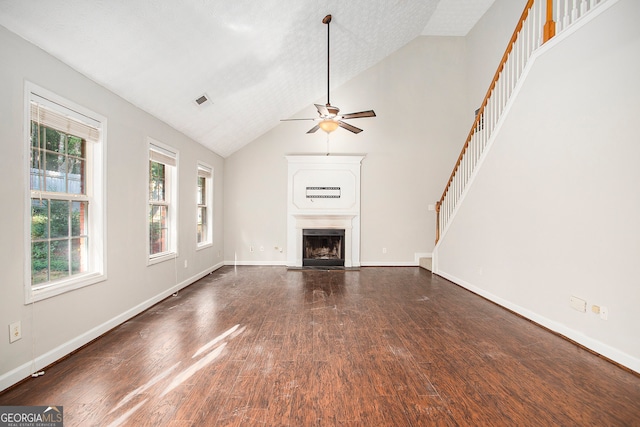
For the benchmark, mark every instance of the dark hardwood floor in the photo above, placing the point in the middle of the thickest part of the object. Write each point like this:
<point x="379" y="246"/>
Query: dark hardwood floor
<point x="267" y="346"/>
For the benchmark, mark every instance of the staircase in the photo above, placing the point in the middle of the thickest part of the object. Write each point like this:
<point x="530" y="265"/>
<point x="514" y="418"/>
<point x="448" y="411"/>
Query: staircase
<point x="540" y="21"/>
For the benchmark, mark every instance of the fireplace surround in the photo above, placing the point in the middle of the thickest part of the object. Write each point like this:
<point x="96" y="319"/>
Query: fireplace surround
<point x="323" y="194"/>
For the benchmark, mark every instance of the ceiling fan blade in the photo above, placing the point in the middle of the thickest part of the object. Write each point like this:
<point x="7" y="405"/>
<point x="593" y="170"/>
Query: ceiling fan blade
<point x="368" y="113"/>
<point x="348" y="127"/>
<point x="290" y="120"/>
<point x="322" y="110"/>
<point x="313" y="129"/>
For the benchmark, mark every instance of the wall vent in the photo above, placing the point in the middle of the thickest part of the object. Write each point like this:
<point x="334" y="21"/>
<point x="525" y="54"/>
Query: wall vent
<point x="202" y="100"/>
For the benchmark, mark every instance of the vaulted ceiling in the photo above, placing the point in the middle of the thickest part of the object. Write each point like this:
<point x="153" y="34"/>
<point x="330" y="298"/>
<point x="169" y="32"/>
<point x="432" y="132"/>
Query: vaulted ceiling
<point x="256" y="61"/>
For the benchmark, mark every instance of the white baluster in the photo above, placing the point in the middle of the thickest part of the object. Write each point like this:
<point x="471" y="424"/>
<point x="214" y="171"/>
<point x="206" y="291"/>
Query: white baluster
<point x="483" y="120"/>
<point x="584" y="7"/>
<point x="478" y="139"/>
<point x="501" y="92"/>
<point x="539" y="29"/>
<point x="466" y="168"/>
<point x="574" y="11"/>
<point x="567" y="15"/>
<point x="476" y="146"/>
<point x="509" y="75"/>
<point x="558" y="15"/>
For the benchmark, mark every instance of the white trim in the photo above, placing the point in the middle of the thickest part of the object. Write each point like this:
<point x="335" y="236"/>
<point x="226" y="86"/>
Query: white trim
<point x="54" y="101"/>
<point x="162" y="257"/>
<point x="577" y="336"/>
<point x="96" y="182"/>
<point x="257" y="263"/>
<point x="156" y="147"/>
<point x="26" y="369"/>
<point x="206" y="171"/>
<point x="389" y="264"/>
<point x="363" y="264"/>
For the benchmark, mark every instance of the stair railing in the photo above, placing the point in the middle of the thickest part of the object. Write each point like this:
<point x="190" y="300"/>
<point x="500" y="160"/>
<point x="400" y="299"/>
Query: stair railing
<point x="535" y="27"/>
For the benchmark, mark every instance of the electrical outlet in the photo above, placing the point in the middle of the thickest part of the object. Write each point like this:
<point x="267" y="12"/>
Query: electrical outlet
<point x="604" y="313"/>
<point x="578" y="304"/>
<point x="15" y="331"/>
<point x="185" y="263"/>
<point x="261" y="248"/>
<point x="384" y="250"/>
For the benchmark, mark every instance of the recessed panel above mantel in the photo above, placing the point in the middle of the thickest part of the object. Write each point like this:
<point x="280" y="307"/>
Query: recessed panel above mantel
<point x="315" y="189"/>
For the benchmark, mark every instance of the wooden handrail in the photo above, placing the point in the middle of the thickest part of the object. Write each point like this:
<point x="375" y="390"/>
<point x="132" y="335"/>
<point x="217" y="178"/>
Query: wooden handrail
<point x="548" y="32"/>
<point x="488" y="95"/>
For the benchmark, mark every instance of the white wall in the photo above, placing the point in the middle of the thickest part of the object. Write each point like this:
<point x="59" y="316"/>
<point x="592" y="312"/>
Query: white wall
<point x="555" y="208"/>
<point x="55" y="326"/>
<point x="418" y="95"/>
<point x="486" y="44"/>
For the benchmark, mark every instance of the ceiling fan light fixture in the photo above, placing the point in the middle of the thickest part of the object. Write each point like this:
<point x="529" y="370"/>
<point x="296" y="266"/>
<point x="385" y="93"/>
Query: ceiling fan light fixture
<point x="328" y="125"/>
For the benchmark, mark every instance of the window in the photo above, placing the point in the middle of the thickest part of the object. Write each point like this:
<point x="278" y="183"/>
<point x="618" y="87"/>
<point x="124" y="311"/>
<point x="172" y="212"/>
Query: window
<point x="204" y="220"/>
<point x="66" y="195"/>
<point x="162" y="202"/>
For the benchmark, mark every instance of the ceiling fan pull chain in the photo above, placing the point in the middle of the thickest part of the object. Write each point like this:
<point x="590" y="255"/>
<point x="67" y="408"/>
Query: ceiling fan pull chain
<point x="328" y="143"/>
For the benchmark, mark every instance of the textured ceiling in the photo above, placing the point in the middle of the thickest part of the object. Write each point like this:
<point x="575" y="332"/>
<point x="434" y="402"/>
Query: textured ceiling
<point x="257" y="61"/>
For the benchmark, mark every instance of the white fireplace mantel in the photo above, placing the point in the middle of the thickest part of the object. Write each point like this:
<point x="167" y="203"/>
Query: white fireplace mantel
<point x="323" y="192"/>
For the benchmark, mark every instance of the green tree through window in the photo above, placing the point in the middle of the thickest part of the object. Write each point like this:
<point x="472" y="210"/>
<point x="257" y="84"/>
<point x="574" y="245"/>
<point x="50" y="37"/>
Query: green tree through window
<point x="58" y="221"/>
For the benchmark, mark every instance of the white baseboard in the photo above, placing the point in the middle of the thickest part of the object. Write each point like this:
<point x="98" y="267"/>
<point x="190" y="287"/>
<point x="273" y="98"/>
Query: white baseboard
<point x="599" y="347"/>
<point x="362" y="264"/>
<point x="263" y="263"/>
<point x="389" y="264"/>
<point x="24" y="371"/>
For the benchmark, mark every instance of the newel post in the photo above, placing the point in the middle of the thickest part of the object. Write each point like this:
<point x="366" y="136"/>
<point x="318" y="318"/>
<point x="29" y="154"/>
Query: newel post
<point x="437" y="221"/>
<point x="549" y="25"/>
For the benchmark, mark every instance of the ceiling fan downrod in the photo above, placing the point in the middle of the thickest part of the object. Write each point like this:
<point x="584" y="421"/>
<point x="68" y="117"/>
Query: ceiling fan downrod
<point x="327" y="20"/>
<point x="329" y="118"/>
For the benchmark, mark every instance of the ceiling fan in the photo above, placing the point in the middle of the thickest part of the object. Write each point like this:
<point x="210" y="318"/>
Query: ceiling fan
<point x="330" y="118"/>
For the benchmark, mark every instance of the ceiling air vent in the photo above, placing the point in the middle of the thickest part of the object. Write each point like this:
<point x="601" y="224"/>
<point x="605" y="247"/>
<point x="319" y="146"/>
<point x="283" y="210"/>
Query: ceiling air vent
<point x="202" y="100"/>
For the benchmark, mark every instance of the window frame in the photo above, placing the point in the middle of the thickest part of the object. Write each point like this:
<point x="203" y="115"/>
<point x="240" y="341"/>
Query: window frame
<point x="169" y="156"/>
<point x="205" y="171"/>
<point x="95" y="195"/>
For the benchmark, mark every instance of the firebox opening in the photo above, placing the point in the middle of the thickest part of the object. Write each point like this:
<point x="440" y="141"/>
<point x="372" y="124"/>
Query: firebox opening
<point x="323" y="247"/>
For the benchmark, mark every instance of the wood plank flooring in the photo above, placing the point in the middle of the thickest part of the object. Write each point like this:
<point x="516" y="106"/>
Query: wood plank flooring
<point x="267" y="346"/>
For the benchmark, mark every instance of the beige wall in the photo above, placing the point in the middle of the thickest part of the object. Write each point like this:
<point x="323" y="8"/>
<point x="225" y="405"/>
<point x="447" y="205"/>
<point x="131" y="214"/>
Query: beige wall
<point x="418" y="95"/>
<point x="55" y="326"/>
<point x="424" y="96"/>
<point x="486" y="44"/>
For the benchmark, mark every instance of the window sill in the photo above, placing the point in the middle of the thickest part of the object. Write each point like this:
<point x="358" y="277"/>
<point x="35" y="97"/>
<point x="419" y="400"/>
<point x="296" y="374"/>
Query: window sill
<point x="58" y="288"/>
<point x="156" y="259"/>
<point x="204" y="245"/>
